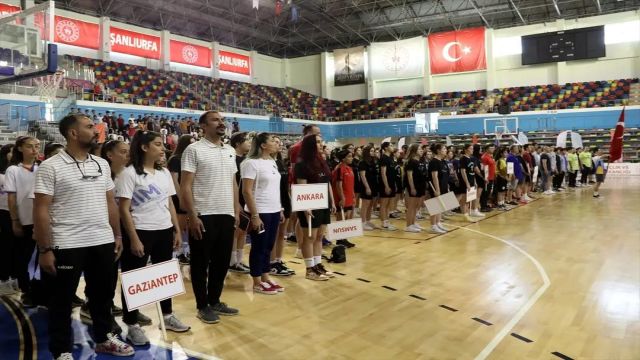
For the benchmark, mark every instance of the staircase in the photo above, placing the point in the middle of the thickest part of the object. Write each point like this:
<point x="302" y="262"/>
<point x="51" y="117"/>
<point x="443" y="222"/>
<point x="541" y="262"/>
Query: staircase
<point x="634" y="94"/>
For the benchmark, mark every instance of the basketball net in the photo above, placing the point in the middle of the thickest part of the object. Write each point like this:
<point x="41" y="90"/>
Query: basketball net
<point x="48" y="86"/>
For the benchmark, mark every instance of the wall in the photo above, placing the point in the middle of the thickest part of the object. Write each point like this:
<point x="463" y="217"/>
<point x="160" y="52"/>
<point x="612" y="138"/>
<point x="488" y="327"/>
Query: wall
<point x="267" y="70"/>
<point x="304" y="73"/>
<point x="391" y="88"/>
<point x="604" y="118"/>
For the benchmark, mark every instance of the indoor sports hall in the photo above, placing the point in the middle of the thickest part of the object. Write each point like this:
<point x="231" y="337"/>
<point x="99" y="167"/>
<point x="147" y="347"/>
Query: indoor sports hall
<point x="320" y="179"/>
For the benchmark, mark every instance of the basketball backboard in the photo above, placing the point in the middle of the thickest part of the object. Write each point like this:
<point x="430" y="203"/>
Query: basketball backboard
<point x="26" y="43"/>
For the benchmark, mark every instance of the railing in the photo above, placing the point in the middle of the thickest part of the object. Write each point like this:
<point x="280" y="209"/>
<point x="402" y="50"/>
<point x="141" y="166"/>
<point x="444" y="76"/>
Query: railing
<point x="435" y="104"/>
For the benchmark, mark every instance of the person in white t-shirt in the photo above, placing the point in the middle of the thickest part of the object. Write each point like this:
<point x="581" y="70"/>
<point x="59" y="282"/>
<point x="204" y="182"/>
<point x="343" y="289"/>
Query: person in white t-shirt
<point x="261" y="191"/>
<point x="144" y="190"/>
<point x="8" y="282"/>
<point x="19" y="180"/>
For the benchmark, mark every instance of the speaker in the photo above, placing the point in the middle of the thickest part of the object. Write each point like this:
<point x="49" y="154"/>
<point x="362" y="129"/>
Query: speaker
<point x="504" y="110"/>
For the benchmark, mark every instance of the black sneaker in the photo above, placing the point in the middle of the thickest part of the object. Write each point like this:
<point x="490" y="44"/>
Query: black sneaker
<point x="292" y="239"/>
<point x="286" y="268"/>
<point x="143" y="320"/>
<point x="394" y="215"/>
<point x="222" y="309"/>
<point x="76" y="301"/>
<point x="237" y="268"/>
<point x="346" y="243"/>
<point x="116" y="311"/>
<point x="208" y="316"/>
<point x="115" y="327"/>
<point x="485" y="210"/>
<point x="184" y="259"/>
<point x="278" y="270"/>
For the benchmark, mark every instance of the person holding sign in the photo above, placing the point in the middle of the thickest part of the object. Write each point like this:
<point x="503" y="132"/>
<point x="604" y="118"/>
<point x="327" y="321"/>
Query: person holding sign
<point x="489" y="164"/>
<point x="467" y="180"/>
<point x="210" y="196"/>
<point x="144" y="191"/>
<point x="480" y="182"/>
<point x="573" y="167"/>
<point x="261" y="192"/>
<point x="601" y="171"/>
<point x="343" y="187"/>
<point x="369" y="176"/>
<point x="387" y="184"/>
<point x="313" y="169"/>
<point x="415" y="183"/>
<point x="439" y="175"/>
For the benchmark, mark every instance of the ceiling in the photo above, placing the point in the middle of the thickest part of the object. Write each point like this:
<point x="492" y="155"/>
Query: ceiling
<point x="324" y="25"/>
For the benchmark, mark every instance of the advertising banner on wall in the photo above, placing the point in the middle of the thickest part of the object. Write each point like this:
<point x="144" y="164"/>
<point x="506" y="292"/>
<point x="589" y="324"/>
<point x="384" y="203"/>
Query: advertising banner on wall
<point x="135" y="43"/>
<point x="76" y="32"/>
<point x="397" y="59"/>
<point x="6" y="9"/>
<point x="190" y="54"/>
<point x="457" y="51"/>
<point x="349" y="66"/>
<point x="235" y="63"/>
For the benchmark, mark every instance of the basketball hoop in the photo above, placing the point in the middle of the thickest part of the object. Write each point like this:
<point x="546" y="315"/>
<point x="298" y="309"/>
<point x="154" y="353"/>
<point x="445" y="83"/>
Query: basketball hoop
<point x="48" y="86"/>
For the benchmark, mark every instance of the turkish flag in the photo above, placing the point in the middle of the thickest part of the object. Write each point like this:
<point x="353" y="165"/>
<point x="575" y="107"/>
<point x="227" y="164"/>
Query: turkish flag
<point x="457" y="51"/>
<point x="615" y="150"/>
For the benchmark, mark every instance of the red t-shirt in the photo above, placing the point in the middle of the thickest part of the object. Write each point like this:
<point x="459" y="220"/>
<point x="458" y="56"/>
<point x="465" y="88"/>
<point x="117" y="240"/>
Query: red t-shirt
<point x="529" y="159"/>
<point x="345" y="174"/>
<point x="487" y="160"/>
<point x="294" y="151"/>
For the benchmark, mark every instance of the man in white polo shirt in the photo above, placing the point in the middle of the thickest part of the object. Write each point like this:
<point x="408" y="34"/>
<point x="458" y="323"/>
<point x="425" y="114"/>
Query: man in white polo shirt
<point x="210" y="196"/>
<point x="77" y="228"/>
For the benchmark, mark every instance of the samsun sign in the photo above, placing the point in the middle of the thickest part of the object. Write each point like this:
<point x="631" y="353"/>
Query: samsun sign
<point x="133" y="43"/>
<point x="344" y="229"/>
<point x="235" y="63"/>
<point x="152" y="283"/>
<point x="309" y="197"/>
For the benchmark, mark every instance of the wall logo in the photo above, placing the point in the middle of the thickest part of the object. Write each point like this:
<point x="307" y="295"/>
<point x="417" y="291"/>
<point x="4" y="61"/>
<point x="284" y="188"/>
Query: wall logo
<point x="67" y="31"/>
<point x="396" y="58"/>
<point x="190" y="54"/>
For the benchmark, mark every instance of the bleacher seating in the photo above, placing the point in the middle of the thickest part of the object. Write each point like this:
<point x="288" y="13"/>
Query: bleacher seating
<point x="579" y="95"/>
<point x="142" y="86"/>
<point x="13" y="57"/>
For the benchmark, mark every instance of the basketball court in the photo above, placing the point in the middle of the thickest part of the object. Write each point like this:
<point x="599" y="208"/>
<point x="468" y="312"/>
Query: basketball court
<point x="557" y="278"/>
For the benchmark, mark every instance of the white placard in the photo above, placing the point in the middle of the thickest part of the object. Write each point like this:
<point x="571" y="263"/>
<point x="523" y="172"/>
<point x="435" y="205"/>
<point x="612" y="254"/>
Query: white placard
<point x="510" y="168"/>
<point x="522" y="138"/>
<point x="309" y="197"/>
<point x="561" y="140"/>
<point x="401" y="142"/>
<point x="441" y="203"/>
<point x="576" y="140"/>
<point x="623" y="169"/>
<point x="535" y="175"/>
<point x="151" y="284"/>
<point x="387" y="139"/>
<point x="448" y="140"/>
<point x="472" y="194"/>
<point x="344" y="229"/>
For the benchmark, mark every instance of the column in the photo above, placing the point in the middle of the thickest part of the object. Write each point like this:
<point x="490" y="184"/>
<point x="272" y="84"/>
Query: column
<point x="284" y="72"/>
<point x="491" y="63"/>
<point x="427" y="83"/>
<point x="253" y="58"/>
<point x="325" y="87"/>
<point x="369" y="82"/>
<point x="165" y="50"/>
<point x="215" y="70"/>
<point x="105" y="40"/>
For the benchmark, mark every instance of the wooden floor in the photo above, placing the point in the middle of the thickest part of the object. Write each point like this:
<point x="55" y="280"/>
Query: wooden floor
<point x="415" y="296"/>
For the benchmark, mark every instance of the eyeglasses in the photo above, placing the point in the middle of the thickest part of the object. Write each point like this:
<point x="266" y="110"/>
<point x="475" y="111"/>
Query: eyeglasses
<point x="85" y="176"/>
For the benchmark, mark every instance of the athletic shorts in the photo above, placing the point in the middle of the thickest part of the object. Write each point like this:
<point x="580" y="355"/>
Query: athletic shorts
<point x="600" y="178"/>
<point x="420" y="192"/>
<point x="320" y="217"/>
<point x="346" y="208"/>
<point x="363" y="195"/>
<point x="391" y="194"/>
<point x="501" y="184"/>
<point x="480" y="182"/>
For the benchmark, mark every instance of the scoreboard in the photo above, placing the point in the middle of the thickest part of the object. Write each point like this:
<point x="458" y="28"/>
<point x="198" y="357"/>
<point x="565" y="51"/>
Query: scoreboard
<point x="577" y="44"/>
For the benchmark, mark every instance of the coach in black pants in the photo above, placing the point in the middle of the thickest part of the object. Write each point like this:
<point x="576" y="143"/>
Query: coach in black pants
<point x="210" y="197"/>
<point x="78" y="230"/>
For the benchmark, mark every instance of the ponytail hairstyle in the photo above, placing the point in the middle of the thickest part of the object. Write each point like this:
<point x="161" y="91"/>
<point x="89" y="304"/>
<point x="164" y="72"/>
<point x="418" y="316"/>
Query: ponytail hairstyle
<point x="256" y="145"/>
<point x="412" y="152"/>
<point x="108" y="147"/>
<point x="383" y="147"/>
<point x="140" y="139"/>
<point x="435" y="148"/>
<point x="16" y="155"/>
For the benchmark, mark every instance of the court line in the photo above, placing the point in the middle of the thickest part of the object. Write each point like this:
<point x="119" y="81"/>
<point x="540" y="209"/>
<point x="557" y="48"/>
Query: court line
<point x="190" y="353"/>
<point x="525" y="308"/>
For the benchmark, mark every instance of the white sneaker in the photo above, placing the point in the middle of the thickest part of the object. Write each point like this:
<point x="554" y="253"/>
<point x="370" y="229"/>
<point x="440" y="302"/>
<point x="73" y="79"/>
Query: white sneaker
<point x="548" y="192"/>
<point x="469" y="218"/>
<point x="477" y="213"/>
<point x="367" y="227"/>
<point x="441" y="226"/>
<point x="412" y="229"/>
<point x="372" y="225"/>
<point x="436" y="230"/>
<point x="419" y="216"/>
<point x="136" y="335"/>
<point x="388" y="227"/>
<point x="418" y="226"/>
<point x="172" y="323"/>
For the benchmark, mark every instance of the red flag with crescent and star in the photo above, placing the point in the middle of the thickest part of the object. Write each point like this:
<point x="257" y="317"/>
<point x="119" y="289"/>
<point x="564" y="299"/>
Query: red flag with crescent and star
<point x="457" y="51"/>
<point x="615" y="150"/>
